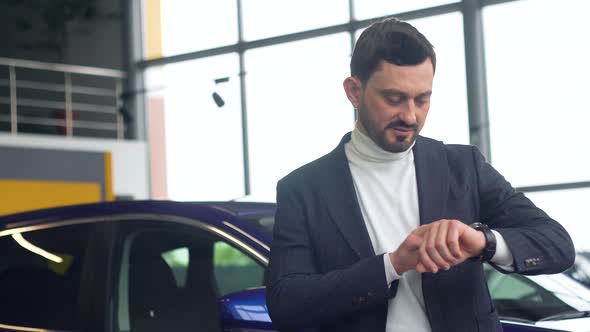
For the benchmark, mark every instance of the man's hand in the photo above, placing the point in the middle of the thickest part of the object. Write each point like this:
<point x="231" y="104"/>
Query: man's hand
<point x="407" y="255"/>
<point x="448" y="243"/>
<point x="438" y="245"/>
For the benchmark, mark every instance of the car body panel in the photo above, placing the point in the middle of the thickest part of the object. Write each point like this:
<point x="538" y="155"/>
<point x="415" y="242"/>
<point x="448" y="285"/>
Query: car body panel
<point x="246" y="309"/>
<point x="574" y="325"/>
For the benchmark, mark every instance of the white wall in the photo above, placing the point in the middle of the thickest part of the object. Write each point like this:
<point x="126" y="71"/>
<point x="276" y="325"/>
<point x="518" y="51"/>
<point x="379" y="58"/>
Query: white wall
<point x="130" y="158"/>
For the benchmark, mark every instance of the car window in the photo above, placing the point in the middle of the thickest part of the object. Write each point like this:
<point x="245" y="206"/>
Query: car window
<point x="580" y="271"/>
<point x="178" y="260"/>
<point x="521" y="297"/>
<point x="171" y="279"/>
<point x="235" y="271"/>
<point x="510" y="288"/>
<point x="40" y="277"/>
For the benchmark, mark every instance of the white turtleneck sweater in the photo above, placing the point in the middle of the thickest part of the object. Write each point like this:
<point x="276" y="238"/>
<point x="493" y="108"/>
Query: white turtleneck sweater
<point x="387" y="193"/>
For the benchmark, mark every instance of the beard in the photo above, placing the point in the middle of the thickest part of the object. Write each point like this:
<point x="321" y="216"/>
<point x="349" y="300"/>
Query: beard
<point x="386" y="137"/>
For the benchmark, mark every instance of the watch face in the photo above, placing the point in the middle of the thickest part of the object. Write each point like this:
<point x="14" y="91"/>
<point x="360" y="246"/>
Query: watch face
<point x="476" y="225"/>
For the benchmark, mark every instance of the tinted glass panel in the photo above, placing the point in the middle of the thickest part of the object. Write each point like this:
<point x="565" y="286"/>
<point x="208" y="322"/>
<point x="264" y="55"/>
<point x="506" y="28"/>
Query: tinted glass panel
<point x="171" y="279"/>
<point x="447" y="118"/>
<point x="172" y="27"/>
<point x="297" y="108"/>
<point x="40" y="277"/>
<point x="203" y="140"/>
<point x="537" y="297"/>
<point x="536" y="70"/>
<point x="234" y="270"/>
<point x="268" y="18"/>
<point x="570" y="209"/>
<point x="378" y="8"/>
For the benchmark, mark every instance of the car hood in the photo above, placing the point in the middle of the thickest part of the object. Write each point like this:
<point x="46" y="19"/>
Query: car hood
<point x="573" y="325"/>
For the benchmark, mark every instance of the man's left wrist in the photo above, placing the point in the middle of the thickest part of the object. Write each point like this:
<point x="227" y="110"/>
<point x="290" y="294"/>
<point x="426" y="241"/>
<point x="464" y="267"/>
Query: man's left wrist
<point x="489" y="248"/>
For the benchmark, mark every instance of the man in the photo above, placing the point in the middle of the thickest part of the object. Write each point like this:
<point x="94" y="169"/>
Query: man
<point x="389" y="231"/>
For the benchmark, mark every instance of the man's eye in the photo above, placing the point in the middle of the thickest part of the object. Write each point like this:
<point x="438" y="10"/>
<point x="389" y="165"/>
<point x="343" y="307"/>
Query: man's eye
<point x="395" y="100"/>
<point x="422" y="101"/>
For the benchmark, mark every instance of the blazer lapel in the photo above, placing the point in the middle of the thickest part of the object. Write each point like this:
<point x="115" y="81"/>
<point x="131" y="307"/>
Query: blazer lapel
<point x="341" y="199"/>
<point x="432" y="177"/>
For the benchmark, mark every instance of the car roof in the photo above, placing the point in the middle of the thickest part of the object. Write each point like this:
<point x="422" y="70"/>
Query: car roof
<point x="244" y="208"/>
<point x="208" y="210"/>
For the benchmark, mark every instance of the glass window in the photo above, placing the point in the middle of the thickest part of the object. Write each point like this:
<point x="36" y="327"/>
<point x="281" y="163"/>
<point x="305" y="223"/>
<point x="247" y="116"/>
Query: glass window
<point x="508" y="288"/>
<point x="178" y="260"/>
<point x="268" y="18"/>
<point x="172" y="279"/>
<point x="377" y="8"/>
<point x="569" y="208"/>
<point x="297" y="108"/>
<point x="40" y="277"/>
<point x="203" y="138"/>
<point x="447" y="118"/>
<point x="536" y="69"/>
<point x="175" y="26"/>
<point x="230" y="262"/>
<point x="534" y="298"/>
<point x="580" y="271"/>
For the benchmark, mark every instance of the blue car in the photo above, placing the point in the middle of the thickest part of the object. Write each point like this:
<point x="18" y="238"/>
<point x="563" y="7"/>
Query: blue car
<point x="174" y="266"/>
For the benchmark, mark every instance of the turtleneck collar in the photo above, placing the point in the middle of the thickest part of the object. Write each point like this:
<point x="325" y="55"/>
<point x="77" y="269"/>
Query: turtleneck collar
<point x="364" y="147"/>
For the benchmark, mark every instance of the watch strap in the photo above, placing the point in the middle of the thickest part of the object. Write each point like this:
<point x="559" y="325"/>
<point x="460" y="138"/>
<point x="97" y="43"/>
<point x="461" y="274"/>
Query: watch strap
<point x="490" y="245"/>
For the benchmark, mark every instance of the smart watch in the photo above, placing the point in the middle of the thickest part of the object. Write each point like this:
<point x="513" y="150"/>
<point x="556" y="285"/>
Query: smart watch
<point x="490" y="247"/>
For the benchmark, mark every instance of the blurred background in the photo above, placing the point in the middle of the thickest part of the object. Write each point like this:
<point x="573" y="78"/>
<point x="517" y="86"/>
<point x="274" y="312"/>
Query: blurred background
<point x="217" y="100"/>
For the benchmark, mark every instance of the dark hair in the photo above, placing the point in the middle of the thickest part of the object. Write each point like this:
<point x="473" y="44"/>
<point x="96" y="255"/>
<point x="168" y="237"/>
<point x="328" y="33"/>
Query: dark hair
<point x="392" y="40"/>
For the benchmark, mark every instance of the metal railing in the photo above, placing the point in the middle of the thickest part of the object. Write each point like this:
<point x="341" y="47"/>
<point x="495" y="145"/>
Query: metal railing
<point x="54" y="101"/>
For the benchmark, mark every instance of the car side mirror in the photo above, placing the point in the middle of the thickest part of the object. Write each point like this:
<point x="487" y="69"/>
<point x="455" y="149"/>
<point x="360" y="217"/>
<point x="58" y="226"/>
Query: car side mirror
<point x="245" y="310"/>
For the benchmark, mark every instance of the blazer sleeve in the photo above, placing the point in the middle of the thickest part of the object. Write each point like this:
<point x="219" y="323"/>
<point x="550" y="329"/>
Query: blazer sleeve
<point x="539" y="244"/>
<point x="297" y="295"/>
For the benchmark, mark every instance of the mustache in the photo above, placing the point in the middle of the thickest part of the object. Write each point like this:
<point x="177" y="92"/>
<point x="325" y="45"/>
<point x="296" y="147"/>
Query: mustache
<point x="399" y="123"/>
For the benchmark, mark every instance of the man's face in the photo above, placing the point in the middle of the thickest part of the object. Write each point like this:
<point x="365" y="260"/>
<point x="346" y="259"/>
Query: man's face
<point x="392" y="105"/>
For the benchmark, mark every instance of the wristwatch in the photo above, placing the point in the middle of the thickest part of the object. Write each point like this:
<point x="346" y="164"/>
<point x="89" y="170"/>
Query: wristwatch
<point x="490" y="248"/>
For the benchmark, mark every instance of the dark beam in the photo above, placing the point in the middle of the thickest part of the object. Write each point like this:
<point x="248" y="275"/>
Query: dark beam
<point x="244" y="106"/>
<point x="557" y="186"/>
<point x="477" y="98"/>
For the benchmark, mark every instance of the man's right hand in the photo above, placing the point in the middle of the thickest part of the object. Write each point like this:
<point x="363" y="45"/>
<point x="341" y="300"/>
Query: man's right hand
<point x="407" y="255"/>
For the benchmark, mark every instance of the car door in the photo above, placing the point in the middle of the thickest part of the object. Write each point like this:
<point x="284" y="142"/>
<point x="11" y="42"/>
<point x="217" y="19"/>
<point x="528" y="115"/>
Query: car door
<point x="172" y="274"/>
<point x="52" y="276"/>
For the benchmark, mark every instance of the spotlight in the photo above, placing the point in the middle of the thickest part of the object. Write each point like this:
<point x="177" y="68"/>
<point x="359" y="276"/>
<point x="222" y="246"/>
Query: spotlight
<point x="218" y="100"/>
<point x="221" y="80"/>
<point x="216" y="97"/>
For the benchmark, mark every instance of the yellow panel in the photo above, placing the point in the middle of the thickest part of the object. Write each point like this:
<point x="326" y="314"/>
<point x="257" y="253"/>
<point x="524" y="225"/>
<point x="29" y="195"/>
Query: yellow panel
<point x="153" y="29"/>
<point x="24" y="195"/>
<point x="108" y="177"/>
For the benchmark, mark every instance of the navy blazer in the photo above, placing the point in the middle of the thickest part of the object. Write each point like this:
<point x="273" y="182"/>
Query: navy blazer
<point x="324" y="274"/>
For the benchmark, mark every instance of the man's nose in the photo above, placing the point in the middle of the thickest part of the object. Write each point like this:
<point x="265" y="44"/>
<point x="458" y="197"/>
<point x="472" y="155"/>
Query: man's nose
<point x="408" y="114"/>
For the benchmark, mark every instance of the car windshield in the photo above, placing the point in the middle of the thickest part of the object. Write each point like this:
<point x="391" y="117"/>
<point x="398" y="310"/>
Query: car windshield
<point x="533" y="298"/>
<point x="581" y="268"/>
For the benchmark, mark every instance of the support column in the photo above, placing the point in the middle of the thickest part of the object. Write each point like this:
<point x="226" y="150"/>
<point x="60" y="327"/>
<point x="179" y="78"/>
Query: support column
<point x="479" y="126"/>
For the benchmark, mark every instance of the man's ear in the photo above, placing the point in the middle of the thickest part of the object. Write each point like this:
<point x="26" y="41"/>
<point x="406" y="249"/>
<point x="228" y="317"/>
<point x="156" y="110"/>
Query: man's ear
<point x="353" y="88"/>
